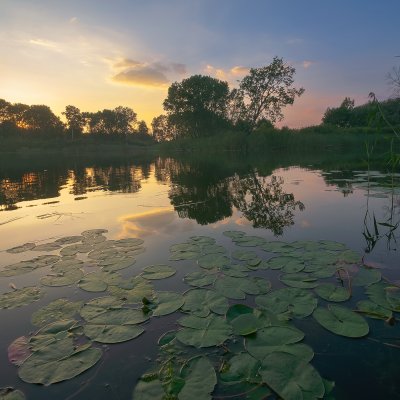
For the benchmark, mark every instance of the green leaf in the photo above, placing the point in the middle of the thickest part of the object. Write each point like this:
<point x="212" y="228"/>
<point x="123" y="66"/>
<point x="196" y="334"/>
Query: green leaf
<point x="11" y="394"/>
<point x="242" y="367"/>
<point x="281" y="261"/>
<point x="245" y="324"/>
<point x="20" y="297"/>
<point x="200" y="302"/>
<point x="366" y="277"/>
<point x="299" y="280"/>
<point x="200" y="278"/>
<point x="148" y="390"/>
<point x="237" y="288"/>
<point x="331" y="292"/>
<point x="233" y="234"/>
<point x="297" y="303"/>
<point x="200" y="380"/>
<point x="132" y="290"/>
<point x="98" y="281"/>
<point x="373" y="310"/>
<point x="57" y="310"/>
<point x="210" y="261"/>
<point x="341" y="321"/>
<point x="203" y="332"/>
<point x="167" y="303"/>
<point x="291" y="377"/>
<point x="159" y="271"/>
<point x="22" y="248"/>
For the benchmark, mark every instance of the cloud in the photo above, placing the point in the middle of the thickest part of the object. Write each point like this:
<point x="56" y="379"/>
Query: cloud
<point x="44" y="43"/>
<point x="73" y="20"/>
<point x="239" y="70"/>
<point x="307" y="63"/>
<point x="229" y="75"/>
<point x="132" y="72"/>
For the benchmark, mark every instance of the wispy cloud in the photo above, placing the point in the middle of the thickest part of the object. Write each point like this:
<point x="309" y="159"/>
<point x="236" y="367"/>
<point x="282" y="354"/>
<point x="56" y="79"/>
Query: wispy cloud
<point x="307" y="63"/>
<point x="44" y="43"/>
<point x="230" y="75"/>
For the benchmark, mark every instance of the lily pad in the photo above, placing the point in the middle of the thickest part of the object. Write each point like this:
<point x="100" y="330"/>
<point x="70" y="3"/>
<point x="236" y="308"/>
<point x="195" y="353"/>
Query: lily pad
<point x="93" y="232"/>
<point x="20" y="249"/>
<point x="210" y="261"/>
<point x="203" y="332"/>
<point x="132" y="290"/>
<point x="341" y="321"/>
<point x="167" y="303"/>
<point x="191" y="247"/>
<point x="19" y="350"/>
<point x="200" y="380"/>
<point x="11" y="394"/>
<point x="242" y="367"/>
<point x="57" y="310"/>
<point x="183" y="255"/>
<point x="200" y="302"/>
<point x="213" y="249"/>
<point x="62" y="278"/>
<point x="202" y="240"/>
<point x="129" y="242"/>
<point x="373" y="310"/>
<point x="299" y="280"/>
<point x="200" y="278"/>
<point x="237" y="288"/>
<point x="278" y="247"/>
<point x="20" y="297"/>
<point x="245" y="324"/>
<point x="235" y="270"/>
<point x="58" y="361"/>
<point x="46" y="247"/>
<point x="148" y="389"/>
<point x="331" y="292"/>
<point x="68" y="240"/>
<point x="233" y="234"/>
<point x="278" y="338"/>
<point x="297" y="303"/>
<point x="366" y="277"/>
<point x="243" y="255"/>
<point x="159" y="271"/>
<point x="98" y="281"/>
<point x="291" y="377"/>
<point x="249" y="241"/>
<point x="75" y="249"/>
<point x="281" y="261"/>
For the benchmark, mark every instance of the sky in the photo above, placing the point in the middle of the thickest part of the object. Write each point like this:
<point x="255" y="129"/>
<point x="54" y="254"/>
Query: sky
<point x="97" y="54"/>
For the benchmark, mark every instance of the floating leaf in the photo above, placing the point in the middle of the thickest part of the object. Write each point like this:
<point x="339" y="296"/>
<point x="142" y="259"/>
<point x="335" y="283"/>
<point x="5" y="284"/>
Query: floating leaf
<point x="203" y="332"/>
<point x="373" y="310"/>
<point x="129" y="242"/>
<point x="20" y="297"/>
<point x="341" y="321"/>
<point x="242" y="367"/>
<point x="159" y="271"/>
<point x="18" y="351"/>
<point x="349" y="257"/>
<point x="98" y="281"/>
<point x="200" y="278"/>
<point x="202" y="240"/>
<point x="278" y="247"/>
<point x="331" y="292"/>
<point x="132" y="290"/>
<point x="62" y="278"/>
<point x="11" y="394"/>
<point x="167" y="303"/>
<point x="299" y="280"/>
<point x="200" y="302"/>
<point x="20" y="249"/>
<point x="93" y="232"/>
<point x="148" y="390"/>
<point x="366" y="277"/>
<point x="297" y="303"/>
<point x="281" y="261"/>
<point x="200" y="380"/>
<point x="69" y="240"/>
<point x="278" y="338"/>
<point x="235" y="270"/>
<point x="210" y="261"/>
<point x="233" y="234"/>
<point x="213" y="249"/>
<point x="183" y="255"/>
<point x="46" y="247"/>
<point x="54" y="311"/>
<point x="237" y="310"/>
<point x="393" y="297"/>
<point x="243" y="255"/>
<point x="191" y="247"/>
<point x="75" y="249"/>
<point x="291" y="377"/>
<point x="249" y="241"/>
<point x="377" y="294"/>
<point x="245" y="324"/>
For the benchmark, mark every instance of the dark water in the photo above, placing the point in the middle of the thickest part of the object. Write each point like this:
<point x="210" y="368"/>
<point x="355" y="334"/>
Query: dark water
<point x="165" y="201"/>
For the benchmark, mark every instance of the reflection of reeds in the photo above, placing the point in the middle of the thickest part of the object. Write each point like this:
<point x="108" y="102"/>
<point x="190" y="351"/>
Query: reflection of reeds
<point x="11" y="220"/>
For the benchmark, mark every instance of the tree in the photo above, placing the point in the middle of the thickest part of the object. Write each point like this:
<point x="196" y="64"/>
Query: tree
<point x="197" y="106"/>
<point x="262" y="94"/>
<point x="40" y="119"/>
<point x="342" y="117"/>
<point x="393" y="79"/>
<point x="75" y="120"/>
<point x="142" y="128"/>
<point x="162" y="129"/>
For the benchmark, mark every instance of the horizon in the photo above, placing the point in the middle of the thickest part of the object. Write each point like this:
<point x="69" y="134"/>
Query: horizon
<point x="98" y="56"/>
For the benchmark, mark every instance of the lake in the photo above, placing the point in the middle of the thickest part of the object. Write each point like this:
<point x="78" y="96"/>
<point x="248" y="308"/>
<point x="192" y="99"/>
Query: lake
<point x="252" y="253"/>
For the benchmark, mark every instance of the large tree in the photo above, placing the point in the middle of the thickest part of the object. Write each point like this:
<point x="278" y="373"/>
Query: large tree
<point x="341" y="116"/>
<point x="75" y="120"/>
<point x="262" y="94"/>
<point x="162" y="129"/>
<point x="197" y="106"/>
<point x="40" y="119"/>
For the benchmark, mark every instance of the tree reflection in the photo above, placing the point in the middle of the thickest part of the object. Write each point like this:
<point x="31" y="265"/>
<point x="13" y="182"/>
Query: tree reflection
<point x="264" y="202"/>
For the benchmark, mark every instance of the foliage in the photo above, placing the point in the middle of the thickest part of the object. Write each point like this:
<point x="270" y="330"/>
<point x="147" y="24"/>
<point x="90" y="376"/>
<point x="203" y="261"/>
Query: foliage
<point x="197" y="106"/>
<point x="263" y="93"/>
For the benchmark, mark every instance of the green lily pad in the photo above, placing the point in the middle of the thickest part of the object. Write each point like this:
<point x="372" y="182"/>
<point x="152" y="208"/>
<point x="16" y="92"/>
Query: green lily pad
<point x="237" y="310"/>
<point x="200" y="278"/>
<point x="202" y="240"/>
<point x="20" y="297"/>
<point x="278" y="247"/>
<point x="200" y="302"/>
<point x="203" y="332"/>
<point x="185" y="247"/>
<point x="278" y="338"/>
<point x="112" y="333"/>
<point x="210" y="261"/>
<point x="132" y="290"/>
<point x="331" y="292"/>
<point x="299" y="280"/>
<point x="332" y="245"/>
<point x="68" y="240"/>
<point x="56" y="310"/>
<point x="393" y="297"/>
<point x="98" y="281"/>
<point x="233" y="234"/>
<point x="377" y="293"/>
<point x="281" y="261"/>
<point x="167" y="303"/>
<point x="244" y="255"/>
<point x="11" y="394"/>
<point x="93" y="232"/>
<point x="349" y="257"/>
<point x="92" y="240"/>
<point x="245" y="324"/>
<point x="148" y="390"/>
<point x="249" y="241"/>
<point x="58" y="361"/>
<point x="200" y="380"/>
<point x="235" y="270"/>
<point x="237" y="288"/>
<point x="373" y="310"/>
<point x="129" y="242"/>
<point x="184" y="255"/>
<point x="213" y="249"/>
<point x="159" y="271"/>
<point x="62" y="278"/>
<point x="46" y="247"/>
<point x="341" y="321"/>
<point x="75" y="249"/>
<point x="20" y="249"/>
<point x="297" y="303"/>
<point x="291" y="377"/>
<point x="112" y="264"/>
<point x="65" y="265"/>
<point x="366" y="277"/>
<point x="242" y="367"/>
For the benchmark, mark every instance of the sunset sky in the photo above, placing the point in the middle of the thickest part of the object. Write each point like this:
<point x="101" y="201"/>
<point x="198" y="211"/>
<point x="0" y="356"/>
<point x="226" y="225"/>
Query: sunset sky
<point x="98" y="54"/>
